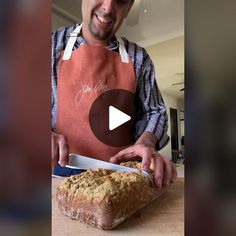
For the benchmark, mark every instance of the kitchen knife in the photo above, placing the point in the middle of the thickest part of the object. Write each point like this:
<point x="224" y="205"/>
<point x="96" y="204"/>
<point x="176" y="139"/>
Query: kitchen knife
<point x="77" y="161"/>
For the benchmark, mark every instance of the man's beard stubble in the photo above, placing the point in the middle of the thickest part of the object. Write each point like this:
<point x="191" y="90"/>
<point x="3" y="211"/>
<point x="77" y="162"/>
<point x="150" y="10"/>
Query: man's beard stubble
<point x="99" y="34"/>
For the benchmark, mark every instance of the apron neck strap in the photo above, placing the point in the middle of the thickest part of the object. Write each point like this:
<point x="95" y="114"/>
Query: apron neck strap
<point x="73" y="37"/>
<point x="71" y="42"/>
<point x="123" y="54"/>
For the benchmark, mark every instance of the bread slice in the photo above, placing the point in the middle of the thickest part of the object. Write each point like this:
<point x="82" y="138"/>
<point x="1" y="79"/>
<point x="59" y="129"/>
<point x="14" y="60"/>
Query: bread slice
<point x="104" y="198"/>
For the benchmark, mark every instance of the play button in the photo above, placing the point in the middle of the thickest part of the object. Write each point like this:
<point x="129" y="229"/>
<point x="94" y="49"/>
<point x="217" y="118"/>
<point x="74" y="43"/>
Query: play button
<point x="111" y="118"/>
<point x="117" y="118"/>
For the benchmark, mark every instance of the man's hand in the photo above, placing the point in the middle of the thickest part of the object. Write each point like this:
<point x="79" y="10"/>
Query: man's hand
<point x="60" y="149"/>
<point x="144" y="149"/>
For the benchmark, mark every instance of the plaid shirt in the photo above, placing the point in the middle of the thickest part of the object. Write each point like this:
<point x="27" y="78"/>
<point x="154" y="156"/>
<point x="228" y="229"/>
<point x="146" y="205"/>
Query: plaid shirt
<point x="151" y="114"/>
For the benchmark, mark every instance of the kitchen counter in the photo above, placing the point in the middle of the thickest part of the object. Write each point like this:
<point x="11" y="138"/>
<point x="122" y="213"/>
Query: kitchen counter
<point x="164" y="216"/>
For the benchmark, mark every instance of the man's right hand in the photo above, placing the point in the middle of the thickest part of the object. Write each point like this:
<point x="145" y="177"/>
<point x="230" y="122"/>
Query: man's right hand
<point x="60" y="149"/>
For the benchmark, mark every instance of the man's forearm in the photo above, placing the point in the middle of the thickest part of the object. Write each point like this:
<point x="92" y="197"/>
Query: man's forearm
<point x="148" y="139"/>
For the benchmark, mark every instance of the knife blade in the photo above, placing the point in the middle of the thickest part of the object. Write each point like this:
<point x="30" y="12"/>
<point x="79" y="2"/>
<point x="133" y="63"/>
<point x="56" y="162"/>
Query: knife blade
<point x="77" y="161"/>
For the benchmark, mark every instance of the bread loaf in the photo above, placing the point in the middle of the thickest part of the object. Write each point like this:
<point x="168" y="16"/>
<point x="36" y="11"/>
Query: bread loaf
<point x="104" y="198"/>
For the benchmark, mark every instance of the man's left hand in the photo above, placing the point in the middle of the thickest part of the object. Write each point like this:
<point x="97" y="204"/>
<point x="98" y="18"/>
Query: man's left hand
<point x="164" y="170"/>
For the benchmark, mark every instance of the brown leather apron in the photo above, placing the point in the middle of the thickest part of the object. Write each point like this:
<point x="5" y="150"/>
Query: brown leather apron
<point x="89" y="72"/>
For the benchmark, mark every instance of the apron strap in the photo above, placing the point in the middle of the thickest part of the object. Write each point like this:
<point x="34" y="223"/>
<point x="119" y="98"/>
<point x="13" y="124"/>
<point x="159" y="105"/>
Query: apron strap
<point x="73" y="37"/>
<point x="71" y="42"/>
<point x="123" y="54"/>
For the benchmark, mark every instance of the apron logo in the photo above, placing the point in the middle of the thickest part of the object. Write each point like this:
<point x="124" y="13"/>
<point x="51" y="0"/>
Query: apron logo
<point x="85" y="89"/>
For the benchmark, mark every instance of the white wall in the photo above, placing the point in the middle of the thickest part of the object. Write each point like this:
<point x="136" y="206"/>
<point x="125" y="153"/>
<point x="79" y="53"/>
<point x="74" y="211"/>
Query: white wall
<point x="171" y="102"/>
<point x="168" y="61"/>
<point x="59" y="21"/>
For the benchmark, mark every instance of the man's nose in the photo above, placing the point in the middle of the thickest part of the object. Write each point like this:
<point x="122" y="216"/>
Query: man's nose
<point x="107" y="6"/>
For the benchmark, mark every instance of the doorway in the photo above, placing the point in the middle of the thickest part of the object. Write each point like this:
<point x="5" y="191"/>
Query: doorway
<point x="174" y="132"/>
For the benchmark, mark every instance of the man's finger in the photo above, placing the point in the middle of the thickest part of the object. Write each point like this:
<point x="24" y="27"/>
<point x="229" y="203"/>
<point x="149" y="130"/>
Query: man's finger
<point x="167" y="175"/>
<point x="158" y="171"/>
<point x="63" y="151"/>
<point x="174" y="174"/>
<point x="146" y="159"/>
<point x="125" y="159"/>
<point x="124" y="151"/>
<point x="120" y="155"/>
<point x="132" y="153"/>
<point x="54" y="150"/>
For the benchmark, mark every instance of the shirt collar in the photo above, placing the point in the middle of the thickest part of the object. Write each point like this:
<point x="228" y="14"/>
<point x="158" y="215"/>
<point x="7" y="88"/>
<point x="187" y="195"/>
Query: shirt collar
<point x="113" y="43"/>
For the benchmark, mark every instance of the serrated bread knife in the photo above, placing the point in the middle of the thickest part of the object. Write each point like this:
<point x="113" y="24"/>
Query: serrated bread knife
<point x="77" y="161"/>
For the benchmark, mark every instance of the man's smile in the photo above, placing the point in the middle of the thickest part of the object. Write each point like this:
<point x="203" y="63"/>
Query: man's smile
<point x="103" y="20"/>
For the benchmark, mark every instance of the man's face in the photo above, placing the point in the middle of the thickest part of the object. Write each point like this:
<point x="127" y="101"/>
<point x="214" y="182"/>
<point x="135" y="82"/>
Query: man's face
<point x="104" y="17"/>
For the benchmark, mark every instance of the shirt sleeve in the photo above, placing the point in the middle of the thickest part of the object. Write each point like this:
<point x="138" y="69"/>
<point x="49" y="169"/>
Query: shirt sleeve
<point x="58" y="44"/>
<point x="54" y="79"/>
<point x="151" y="112"/>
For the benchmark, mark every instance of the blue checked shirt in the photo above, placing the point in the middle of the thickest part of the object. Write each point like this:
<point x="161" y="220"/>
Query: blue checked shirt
<point x="151" y="113"/>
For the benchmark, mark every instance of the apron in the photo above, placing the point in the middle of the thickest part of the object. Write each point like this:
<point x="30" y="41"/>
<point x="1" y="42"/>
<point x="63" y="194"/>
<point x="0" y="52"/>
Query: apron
<point x="83" y="75"/>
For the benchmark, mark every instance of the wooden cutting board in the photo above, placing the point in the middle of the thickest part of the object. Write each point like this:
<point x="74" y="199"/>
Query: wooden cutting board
<point x="164" y="216"/>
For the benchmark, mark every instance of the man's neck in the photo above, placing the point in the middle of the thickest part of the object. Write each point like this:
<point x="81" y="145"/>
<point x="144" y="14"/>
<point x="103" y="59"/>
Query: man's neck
<point x="89" y="39"/>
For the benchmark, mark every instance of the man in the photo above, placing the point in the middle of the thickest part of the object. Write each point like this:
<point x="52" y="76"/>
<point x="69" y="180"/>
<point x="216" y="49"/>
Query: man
<point x="83" y="55"/>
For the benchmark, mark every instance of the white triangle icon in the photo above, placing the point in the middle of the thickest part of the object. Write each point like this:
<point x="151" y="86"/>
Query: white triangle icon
<point x="117" y="118"/>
